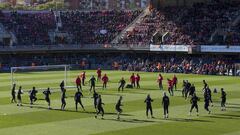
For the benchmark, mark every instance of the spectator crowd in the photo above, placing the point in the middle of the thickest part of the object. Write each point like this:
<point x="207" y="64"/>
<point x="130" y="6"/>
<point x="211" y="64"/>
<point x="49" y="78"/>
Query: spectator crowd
<point x="84" y="27"/>
<point x="201" y="24"/>
<point x="199" y="64"/>
<point x="189" y="25"/>
<point x="96" y="27"/>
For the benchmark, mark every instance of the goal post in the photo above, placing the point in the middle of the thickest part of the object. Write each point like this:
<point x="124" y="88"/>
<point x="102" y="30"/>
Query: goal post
<point x="41" y="70"/>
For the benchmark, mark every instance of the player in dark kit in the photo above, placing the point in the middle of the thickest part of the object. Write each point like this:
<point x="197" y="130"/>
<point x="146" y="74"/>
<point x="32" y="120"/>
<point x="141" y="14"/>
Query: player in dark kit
<point x="33" y="96"/>
<point x="19" y="97"/>
<point x="194" y="101"/>
<point x="122" y="83"/>
<point x="95" y="98"/>
<point x="137" y="79"/>
<point x="92" y="83"/>
<point x="105" y="81"/>
<point x="204" y="84"/>
<point x="209" y="93"/>
<point x="148" y="102"/>
<point x="165" y="103"/>
<point x="47" y="94"/>
<point x="224" y="98"/>
<point x="159" y="80"/>
<point x="78" y="83"/>
<point x="187" y="89"/>
<point x="77" y="98"/>
<point x="118" y="107"/>
<point x="99" y="107"/>
<point x="62" y="85"/>
<point x="192" y="90"/>
<point x="132" y="79"/>
<point x="206" y="102"/>
<point x="63" y="99"/>
<point x="13" y="93"/>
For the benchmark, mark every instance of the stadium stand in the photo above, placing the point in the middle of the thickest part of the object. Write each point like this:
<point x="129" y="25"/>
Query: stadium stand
<point x="30" y="28"/>
<point x="215" y="23"/>
<point x="96" y="27"/>
<point x="189" y="25"/>
<point x="93" y="27"/>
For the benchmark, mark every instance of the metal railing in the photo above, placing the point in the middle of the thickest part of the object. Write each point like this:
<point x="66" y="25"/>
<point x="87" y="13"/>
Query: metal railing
<point x="69" y="47"/>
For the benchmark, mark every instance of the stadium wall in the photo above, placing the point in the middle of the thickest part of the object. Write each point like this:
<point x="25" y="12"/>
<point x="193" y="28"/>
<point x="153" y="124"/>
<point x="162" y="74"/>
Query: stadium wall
<point x="164" y="3"/>
<point x="122" y="47"/>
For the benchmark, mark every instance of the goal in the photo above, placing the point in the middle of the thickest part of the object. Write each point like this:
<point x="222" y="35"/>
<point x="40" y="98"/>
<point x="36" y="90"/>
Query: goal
<point x="40" y="76"/>
<point x="237" y="69"/>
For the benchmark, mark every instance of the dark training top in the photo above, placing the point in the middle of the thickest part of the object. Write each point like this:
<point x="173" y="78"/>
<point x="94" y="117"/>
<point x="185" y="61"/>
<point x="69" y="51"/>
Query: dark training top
<point x="33" y="93"/>
<point x="13" y="91"/>
<point x="165" y="101"/>
<point x="194" y="100"/>
<point x="92" y="80"/>
<point x="148" y="101"/>
<point x="62" y="84"/>
<point x="47" y="93"/>
<point x="119" y="104"/>
<point x="19" y="94"/>
<point x="223" y="95"/>
<point x="95" y="96"/>
<point x="78" y="96"/>
<point x="122" y="82"/>
<point x="99" y="103"/>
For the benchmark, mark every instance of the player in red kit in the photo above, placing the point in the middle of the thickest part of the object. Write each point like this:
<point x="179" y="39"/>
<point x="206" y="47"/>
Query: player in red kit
<point x="137" y="79"/>
<point x="83" y="77"/>
<point x="105" y="80"/>
<point x="160" y="79"/>
<point x="132" y="80"/>
<point x="99" y="74"/>
<point x="170" y="87"/>
<point x="175" y="81"/>
<point x="78" y="83"/>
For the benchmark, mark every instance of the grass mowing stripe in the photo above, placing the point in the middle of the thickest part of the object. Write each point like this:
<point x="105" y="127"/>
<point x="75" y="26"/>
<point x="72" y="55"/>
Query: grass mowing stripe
<point x="137" y="119"/>
<point x="133" y="106"/>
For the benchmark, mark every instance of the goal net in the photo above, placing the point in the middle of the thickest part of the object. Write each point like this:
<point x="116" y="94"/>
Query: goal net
<point x="41" y="76"/>
<point x="237" y="69"/>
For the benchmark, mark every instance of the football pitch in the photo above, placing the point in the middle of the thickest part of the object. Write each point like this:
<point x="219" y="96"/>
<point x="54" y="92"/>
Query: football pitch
<point x="39" y="120"/>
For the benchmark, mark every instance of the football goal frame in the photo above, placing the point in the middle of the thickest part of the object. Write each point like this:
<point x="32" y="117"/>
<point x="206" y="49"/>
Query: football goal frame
<point x="39" y="68"/>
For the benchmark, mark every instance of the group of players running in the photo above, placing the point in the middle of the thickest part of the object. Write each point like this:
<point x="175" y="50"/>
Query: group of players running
<point x="188" y="91"/>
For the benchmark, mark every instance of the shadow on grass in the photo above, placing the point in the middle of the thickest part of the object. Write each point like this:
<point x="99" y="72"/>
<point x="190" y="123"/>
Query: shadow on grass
<point x="233" y="104"/>
<point x="234" y="107"/>
<point x="113" y="94"/>
<point x="229" y="115"/>
<point x="224" y="116"/>
<point x="132" y="120"/>
<point x="149" y="89"/>
<point x="187" y="120"/>
<point x="79" y="111"/>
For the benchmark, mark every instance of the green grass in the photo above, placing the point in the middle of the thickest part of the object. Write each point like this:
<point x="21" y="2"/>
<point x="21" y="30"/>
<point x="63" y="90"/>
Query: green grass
<point x="40" y="121"/>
